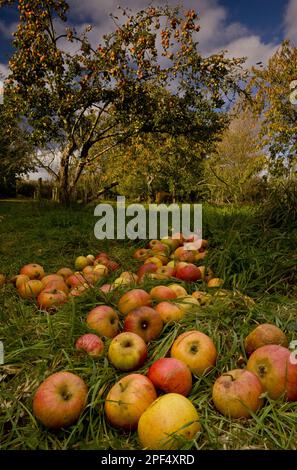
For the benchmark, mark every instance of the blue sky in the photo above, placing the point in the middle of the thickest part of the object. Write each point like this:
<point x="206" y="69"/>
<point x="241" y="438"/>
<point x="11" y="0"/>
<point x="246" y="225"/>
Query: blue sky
<point x="252" y="28"/>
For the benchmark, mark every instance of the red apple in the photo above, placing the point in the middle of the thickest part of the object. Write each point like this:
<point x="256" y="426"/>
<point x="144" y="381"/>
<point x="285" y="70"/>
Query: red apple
<point x="133" y="299"/>
<point x="182" y="254"/>
<point x="196" y="350"/>
<point x="33" y="271"/>
<point x="127" y="351"/>
<point x="104" y="320"/>
<point x="145" y="322"/>
<point x="75" y="280"/>
<point x="60" y="400"/>
<point x="162" y="293"/>
<point x="51" y="298"/>
<point x="236" y="393"/>
<point x="91" y="344"/>
<point x="262" y="335"/>
<point x="145" y="269"/>
<point x="276" y="370"/>
<point x="128" y="399"/>
<point x="169" y="312"/>
<point x="112" y="265"/>
<point x="171" y="376"/>
<point x="188" y="273"/>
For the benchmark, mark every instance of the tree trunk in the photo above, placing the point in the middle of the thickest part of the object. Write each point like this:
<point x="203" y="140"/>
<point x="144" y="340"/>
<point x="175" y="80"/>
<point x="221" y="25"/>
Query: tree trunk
<point x="64" y="192"/>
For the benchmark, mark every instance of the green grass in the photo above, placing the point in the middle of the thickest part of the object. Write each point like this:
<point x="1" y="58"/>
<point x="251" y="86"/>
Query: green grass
<point x="254" y="261"/>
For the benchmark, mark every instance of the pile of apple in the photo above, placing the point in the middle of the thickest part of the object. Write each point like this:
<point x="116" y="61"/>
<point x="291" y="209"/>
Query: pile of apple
<point x="176" y="257"/>
<point x="54" y="289"/>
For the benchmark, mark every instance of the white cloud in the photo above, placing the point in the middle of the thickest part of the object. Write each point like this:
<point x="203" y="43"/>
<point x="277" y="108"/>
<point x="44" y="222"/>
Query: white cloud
<point x="291" y="21"/>
<point x="251" y="47"/>
<point x="216" y="33"/>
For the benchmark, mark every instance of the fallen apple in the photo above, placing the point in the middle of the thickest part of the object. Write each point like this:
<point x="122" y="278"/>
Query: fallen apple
<point x="33" y="271"/>
<point x="171" y="376"/>
<point x="196" y="350"/>
<point x="145" y="322"/>
<point x="162" y="293"/>
<point x="169" y="312"/>
<point x="133" y="299"/>
<point x="81" y="262"/>
<point x="91" y="344"/>
<point x="262" y="335"/>
<point x="30" y="289"/>
<point x="49" y="299"/>
<point x="104" y="320"/>
<point x="237" y="393"/>
<point x="60" y="400"/>
<point x="127" y="351"/>
<point x="168" y="423"/>
<point x="128" y="399"/>
<point x="276" y="370"/>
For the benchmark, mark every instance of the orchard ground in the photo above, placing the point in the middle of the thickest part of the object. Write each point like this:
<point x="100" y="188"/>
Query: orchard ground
<point x="254" y="260"/>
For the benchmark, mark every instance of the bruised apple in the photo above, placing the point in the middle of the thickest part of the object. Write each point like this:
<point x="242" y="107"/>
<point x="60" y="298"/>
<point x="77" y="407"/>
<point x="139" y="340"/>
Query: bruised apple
<point x="30" y="289"/>
<point x="33" y="271"/>
<point x="189" y="272"/>
<point x="51" y="298"/>
<point x="237" y="393"/>
<point x="262" y="335"/>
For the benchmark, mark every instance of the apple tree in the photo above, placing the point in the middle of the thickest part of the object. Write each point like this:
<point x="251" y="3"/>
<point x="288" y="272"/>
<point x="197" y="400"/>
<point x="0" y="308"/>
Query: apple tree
<point x="72" y="94"/>
<point x="274" y="102"/>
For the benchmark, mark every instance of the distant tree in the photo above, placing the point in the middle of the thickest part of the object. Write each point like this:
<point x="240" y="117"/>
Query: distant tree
<point x="239" y="158"/>
<point x="275" y="104"/>
<point x="147" y="164"/>
<point x="72" y="101"/>
<point x="15" y="151"/>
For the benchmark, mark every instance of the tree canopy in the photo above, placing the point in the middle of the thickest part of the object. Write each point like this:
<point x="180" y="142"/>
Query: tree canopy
<point x="107" y="93"/>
